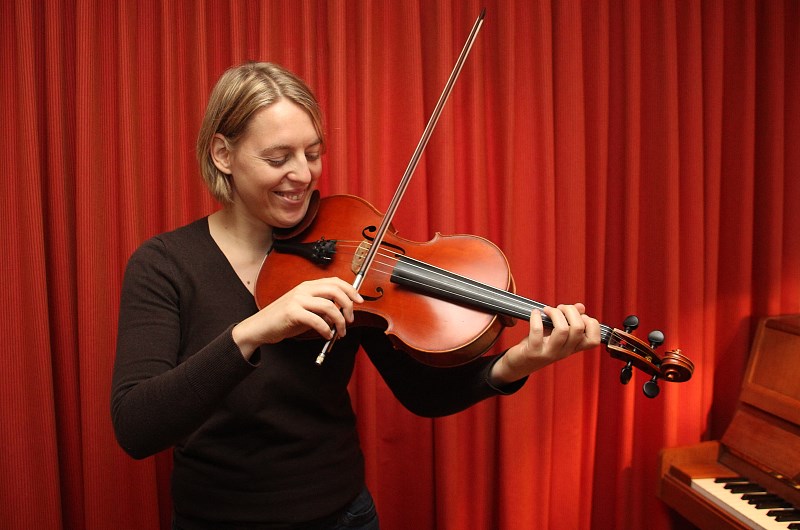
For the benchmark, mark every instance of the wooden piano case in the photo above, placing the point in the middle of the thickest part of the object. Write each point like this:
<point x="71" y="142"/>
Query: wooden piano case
<point x="762" y="442"/>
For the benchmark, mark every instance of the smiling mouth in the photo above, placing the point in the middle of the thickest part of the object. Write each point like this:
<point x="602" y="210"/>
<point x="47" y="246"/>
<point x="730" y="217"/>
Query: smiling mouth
<point x="292" y="196"/>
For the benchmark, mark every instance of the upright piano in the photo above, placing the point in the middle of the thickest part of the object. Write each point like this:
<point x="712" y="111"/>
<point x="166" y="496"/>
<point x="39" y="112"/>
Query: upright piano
<point x="751" y="477"/>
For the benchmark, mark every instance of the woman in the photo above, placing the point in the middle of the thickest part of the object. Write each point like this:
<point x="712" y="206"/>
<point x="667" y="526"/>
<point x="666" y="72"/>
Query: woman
<point x="262" y="437"/>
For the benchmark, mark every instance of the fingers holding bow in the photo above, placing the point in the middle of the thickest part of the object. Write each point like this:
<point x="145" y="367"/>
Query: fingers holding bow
<point x="315" y="305"/>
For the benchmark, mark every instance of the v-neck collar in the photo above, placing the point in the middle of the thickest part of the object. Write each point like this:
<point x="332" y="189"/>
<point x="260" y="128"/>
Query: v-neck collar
<point x="228" y="267"/>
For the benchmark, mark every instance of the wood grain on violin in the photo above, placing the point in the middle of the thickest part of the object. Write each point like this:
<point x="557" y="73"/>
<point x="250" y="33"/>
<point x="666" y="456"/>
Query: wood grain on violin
<point x="444" y="302"/>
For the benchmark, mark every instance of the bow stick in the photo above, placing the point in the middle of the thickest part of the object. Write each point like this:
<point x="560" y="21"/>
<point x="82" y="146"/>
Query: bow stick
<point x="412" y="165"/>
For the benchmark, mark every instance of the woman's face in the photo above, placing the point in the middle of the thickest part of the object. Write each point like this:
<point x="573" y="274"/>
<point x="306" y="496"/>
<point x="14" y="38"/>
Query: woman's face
<point x="275" y="165"/>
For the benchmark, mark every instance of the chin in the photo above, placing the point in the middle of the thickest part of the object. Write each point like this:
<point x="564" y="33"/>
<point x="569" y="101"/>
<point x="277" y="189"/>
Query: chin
<point x="290" y="221"/>
<point x="283" y="217"/>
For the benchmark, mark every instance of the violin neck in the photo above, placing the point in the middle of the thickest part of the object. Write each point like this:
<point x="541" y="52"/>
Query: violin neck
<point x="440" y="283"/>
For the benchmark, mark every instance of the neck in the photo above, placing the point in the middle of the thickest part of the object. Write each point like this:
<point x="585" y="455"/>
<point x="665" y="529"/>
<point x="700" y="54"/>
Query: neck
<point x="234" y="233"/>
<point x="244" y="243"/>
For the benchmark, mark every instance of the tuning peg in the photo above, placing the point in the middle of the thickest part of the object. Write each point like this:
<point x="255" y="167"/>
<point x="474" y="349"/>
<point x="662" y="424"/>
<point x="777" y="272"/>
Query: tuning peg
<point x="626" y="373"/>
<point x="630" y="323"/>
<point x="656" y="338"/>
<point x="650" y="388"/>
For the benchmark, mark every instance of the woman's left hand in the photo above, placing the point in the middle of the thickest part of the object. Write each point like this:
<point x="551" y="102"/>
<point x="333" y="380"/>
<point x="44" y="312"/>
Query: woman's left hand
<point x="573" y="331"/>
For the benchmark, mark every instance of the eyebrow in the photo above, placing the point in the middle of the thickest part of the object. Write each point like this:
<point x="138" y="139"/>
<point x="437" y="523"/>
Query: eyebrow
<point x="286" y="147"/>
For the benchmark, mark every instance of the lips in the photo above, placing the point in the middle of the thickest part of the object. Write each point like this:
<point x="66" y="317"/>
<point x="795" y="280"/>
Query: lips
<point x="291" y="195"/>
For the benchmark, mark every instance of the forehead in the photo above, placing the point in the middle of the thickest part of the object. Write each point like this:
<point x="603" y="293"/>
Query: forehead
<point x="282" y="123"/>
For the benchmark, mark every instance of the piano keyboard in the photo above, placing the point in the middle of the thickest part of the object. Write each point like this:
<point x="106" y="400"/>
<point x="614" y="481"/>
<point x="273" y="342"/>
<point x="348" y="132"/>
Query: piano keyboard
<point x="749" y="502"/>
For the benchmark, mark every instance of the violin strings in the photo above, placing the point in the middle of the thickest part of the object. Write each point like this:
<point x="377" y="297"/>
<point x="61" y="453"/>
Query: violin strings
<point x="388" y="260"/>
<point x="525" y="303"/>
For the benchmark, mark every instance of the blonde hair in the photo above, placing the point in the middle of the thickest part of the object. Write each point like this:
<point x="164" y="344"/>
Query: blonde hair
<point x="239" y="93"/>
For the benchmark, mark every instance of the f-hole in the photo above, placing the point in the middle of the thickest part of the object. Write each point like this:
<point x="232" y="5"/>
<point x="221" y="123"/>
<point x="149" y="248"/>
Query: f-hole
<point x="365" y="233"/>
<point x="368" y="233"/>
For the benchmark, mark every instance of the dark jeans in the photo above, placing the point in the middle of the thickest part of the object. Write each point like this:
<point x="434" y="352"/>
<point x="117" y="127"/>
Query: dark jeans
<point x="358" y="515"/>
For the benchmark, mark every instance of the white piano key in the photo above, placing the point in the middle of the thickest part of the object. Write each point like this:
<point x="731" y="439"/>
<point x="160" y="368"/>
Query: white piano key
<point x="735" y="505"/>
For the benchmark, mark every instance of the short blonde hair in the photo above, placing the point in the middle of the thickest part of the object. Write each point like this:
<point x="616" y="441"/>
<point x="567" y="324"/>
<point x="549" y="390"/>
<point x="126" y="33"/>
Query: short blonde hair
<point x="239" y="93"/>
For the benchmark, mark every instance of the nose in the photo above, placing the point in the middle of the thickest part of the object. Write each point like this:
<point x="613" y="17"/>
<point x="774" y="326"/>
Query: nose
<point x="301" y="169"/>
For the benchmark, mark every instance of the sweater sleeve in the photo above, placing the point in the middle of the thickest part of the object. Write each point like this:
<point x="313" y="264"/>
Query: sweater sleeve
<point x="155" y="400"/>
<point x="430" y="391"/>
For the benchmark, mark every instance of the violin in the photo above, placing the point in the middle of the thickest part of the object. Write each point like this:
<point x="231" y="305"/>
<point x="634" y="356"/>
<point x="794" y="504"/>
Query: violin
<point x="444" y="302"/>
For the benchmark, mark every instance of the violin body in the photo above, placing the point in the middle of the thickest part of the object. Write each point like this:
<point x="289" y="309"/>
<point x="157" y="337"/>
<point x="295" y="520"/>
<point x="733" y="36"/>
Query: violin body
<point x="433" y="330"/>
<point x="444" y="302"/>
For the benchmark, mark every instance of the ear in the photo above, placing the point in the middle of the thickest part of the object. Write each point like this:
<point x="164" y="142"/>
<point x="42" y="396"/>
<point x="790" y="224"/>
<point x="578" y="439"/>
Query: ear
<point x="220" y="153"/>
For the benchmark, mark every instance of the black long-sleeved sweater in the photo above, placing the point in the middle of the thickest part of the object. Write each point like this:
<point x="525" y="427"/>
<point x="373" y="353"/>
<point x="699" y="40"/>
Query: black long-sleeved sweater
<point x="270" y="440"/>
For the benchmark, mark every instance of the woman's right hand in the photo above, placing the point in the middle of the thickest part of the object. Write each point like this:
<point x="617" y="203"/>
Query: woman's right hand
<point x="318" y="305"/>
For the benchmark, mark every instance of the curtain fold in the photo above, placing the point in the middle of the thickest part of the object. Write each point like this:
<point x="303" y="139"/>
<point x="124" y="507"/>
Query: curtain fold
<point x="635" y="156"/>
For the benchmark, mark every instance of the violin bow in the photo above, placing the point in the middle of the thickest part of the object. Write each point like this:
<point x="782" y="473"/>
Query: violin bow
<point x="412" y="166"/>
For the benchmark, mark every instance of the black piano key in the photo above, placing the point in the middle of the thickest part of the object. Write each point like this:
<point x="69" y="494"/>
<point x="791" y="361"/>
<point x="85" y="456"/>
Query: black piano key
<point x="745" y="488"/>
<point x="766" y="505"/>
<point x="753" y="498"/>
<point x="726" y="480"/>
<point x="793" y="526"/>
<point x="785" y="515"/>
<point x="762" y="498"/>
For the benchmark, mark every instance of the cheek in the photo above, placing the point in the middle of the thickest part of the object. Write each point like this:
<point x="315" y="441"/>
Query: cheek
<point x="248" y="181"/>
<point x="263" y="176"/>
<point x="316" y="172"/>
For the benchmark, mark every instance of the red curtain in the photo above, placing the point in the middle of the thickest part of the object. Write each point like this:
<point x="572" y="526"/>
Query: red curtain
<point x="633" y="155"/>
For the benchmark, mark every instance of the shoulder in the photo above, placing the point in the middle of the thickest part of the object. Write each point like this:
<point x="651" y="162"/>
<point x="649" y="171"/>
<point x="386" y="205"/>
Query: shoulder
<point x="193" y="237"/>
<point x="193" y="234"/>
<point x="166" y="253"/>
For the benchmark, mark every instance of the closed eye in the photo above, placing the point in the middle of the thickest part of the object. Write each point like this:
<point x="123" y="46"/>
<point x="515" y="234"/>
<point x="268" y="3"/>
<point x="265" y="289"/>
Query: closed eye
<point x="275" y="162"/>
